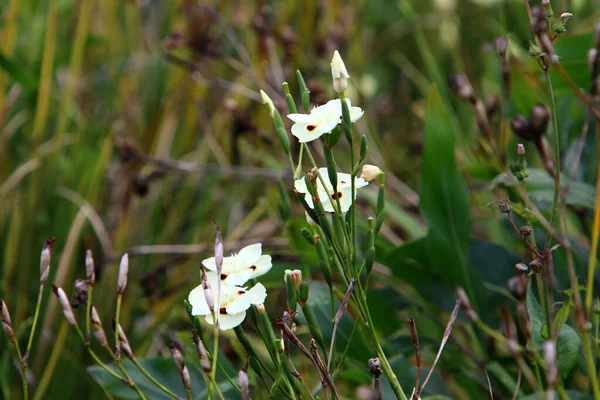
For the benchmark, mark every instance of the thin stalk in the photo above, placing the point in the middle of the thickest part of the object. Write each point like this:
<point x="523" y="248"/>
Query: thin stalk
<point x="15" y="344"/>
<point x="117" y="315"/>
<point x="555" y="203"/>
<point x="592" y="259"/>
<point x="35" y="320"/>
<point x="88" y="311"/>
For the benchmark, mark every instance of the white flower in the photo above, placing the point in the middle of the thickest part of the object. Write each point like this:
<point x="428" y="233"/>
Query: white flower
<point x="239" y="268"/>
<point x="339" y="73"/>
<point x="326" y="195"/>
<point x="234" y="302"/>
<point x="370" y="172"/>
<point x="321" y="120"/>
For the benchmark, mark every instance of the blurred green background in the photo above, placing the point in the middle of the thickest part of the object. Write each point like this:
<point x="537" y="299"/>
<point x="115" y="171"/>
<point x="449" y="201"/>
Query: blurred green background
<point x="127" y="126"/>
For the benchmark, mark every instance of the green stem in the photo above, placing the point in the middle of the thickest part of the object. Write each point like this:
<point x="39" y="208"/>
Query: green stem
<point x="117" y="315"/>
<point x="555" y="203"/>
<point x="88" y="311"/>
<point x="35" y="319"/>
<point x="23" y="367"/>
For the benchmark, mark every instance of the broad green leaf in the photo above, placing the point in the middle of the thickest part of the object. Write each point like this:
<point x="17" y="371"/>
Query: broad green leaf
<point x="568" y="342"/>
<point x="444" y="201"/>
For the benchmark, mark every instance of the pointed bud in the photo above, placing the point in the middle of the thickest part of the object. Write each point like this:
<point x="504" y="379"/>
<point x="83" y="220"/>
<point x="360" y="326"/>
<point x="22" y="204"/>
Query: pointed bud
<point x="501" y="45"/>
<point x="460" y="85"/>
<point x="183" y="371"/>
<point x="550" y="360"/>
<point x="64" y="304"/>
<point x="89" y="267"/>
<point x="202" y="355"/>
<point x="218" y="250"/>
<point x="520" y="149"/>
<point x="45" y="260"/>
<point x="208" y="295"/>
<point x="123" y="271"/>
<point x="339" y="73"/>
<point x="592" y="56"/>
<point x="6" y="322"/>
<point x="244" y="383"/>
<point x="97" y="327"/>
<point x="267" y="101"/>
<point x="370" y="172"/>
<point x="124" y="345"/>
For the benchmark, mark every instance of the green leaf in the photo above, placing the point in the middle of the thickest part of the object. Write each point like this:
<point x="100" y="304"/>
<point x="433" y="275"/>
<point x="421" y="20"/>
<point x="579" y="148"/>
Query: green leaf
<point x="444" y="201"/>
<point x="568" y="342"/>
<point x="162" y="369"/>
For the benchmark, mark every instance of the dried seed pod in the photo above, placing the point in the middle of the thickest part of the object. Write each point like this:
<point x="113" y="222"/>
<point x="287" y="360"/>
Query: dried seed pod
<point x="520" y="126"/>
<point x="460" y="85"/>
<point x="6" y="322"/>
<point x="45" y="260"/>
<point x="517" y="286"/>
<point x="80" y="297"/>
<point x="97" y="328"/>
<point x="539" y="116"/>
<point x="522" y="268"/>
<point x="525" y="231"/>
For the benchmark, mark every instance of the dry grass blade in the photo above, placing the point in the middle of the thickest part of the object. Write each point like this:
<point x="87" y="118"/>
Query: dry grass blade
<point x="517" y="386"/>
<point x="415" y="339"/>
<point x="489" y="384"/>
<point x="338" y="318"/>
<point x="445" y="338"/>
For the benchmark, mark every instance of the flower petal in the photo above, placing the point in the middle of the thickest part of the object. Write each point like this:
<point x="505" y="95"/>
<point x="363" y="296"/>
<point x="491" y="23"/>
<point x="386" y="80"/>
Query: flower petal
<point x="227" y="321"/>
<point x="299" y="117"/>
<point x="237" y="278"/>
<point x="356" y="113"/>
<point x="300" y="185"/>
<point x="248" y="255"/>
<point x="198" y="301"/>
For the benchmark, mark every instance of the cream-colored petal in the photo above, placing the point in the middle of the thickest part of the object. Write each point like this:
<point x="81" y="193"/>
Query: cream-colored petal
<point x="248" y="255"/>
<point x="227" y="321"/>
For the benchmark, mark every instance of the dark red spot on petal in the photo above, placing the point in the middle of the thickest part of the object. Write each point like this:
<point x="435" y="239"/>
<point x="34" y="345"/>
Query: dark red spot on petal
<point x="253" y="267"/>
<point x="223" y="277"/>
<point x="223" y="311"/>
<point x="241" y="292"/>
<point x="311" y="127"/>
<point x="339" y="195"/>
<point x="343" y="182"/>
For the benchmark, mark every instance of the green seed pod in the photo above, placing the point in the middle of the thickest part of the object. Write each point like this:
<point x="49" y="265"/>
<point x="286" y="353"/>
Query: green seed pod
<point x="346" y="121"/>
<point x="245" y="342"/>
<point x="333" y="137"/>
<point x="283" y="139"/>
<point x="297" y="386"/>
<point x="289" y="99"/>
<point x="304" y="92"/>
<point x="324" y="262"/>
<point x="267" y="330"/>
<point x="303" y="293"/>
<point x="338" y="230"/>
<point x="292" y="299"/>
<point x="380" y="202"/>
<point x="364" y="147"/>
<point x="369" y="259"/>
<point x="313" y="326"/>
<point x="306" y="234"/>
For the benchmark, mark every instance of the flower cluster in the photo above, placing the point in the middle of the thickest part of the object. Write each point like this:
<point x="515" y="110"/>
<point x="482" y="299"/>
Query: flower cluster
<point x="234" y="298"/>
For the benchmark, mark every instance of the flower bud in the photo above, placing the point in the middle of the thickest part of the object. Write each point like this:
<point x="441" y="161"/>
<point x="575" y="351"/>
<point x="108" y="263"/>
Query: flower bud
<point x="183" y="371"/>
<point x="564" y="17"/>
<point x="339" y="73"/>
<point x="45" y="260"/>
<point x="501" y="45"/>
<point x="89" y="267"/>
<point x="123" y="270"/>
<point x="534" y="51"/>
<point x="521" y="268"/>
<point x="97" y="328"/>
<point x="267" y="101"/>
<point x="244" y="383"/>
<point x="375" y="366"/>
<point x="550" y="360"/>
<point x="370" y="172"/>
<point x="124" y="344"/>
<point x="6" y="322"/>
<point x="64" y="304"/>
<point x="208" y="295"/>
<point x="294" y="276"/>
<point x="520" y="149"/>
<point x="202" y="355"/>
<point x="460" y="85"/>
